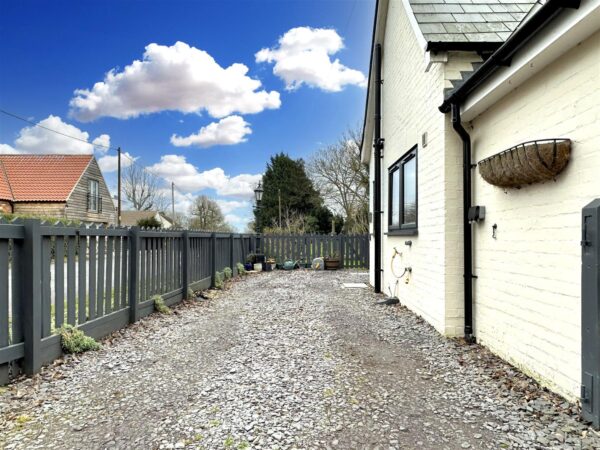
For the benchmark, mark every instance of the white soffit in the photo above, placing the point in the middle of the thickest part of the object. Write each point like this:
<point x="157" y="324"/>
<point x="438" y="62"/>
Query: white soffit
<point x="565" y="32"/>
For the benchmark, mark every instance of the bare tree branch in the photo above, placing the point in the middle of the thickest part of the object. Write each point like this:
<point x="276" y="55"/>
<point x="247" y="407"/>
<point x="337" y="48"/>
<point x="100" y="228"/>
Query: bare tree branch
<point x="343" y="180"/>
<point x="142" y="189"/>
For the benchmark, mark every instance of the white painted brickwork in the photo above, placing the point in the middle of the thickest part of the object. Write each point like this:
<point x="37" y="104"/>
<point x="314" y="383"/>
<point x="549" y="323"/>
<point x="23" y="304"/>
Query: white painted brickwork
<point x="528" y="299"/>
<point x="410" y="97"/>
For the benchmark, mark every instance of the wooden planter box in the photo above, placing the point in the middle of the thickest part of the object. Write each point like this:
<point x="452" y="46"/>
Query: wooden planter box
<point x="332" y="263"/>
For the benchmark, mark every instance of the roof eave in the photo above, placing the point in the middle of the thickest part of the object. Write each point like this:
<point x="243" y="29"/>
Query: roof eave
<point x="362" y="139"/>
<point x="502" y="56"/>
<point x="444" y="46"/>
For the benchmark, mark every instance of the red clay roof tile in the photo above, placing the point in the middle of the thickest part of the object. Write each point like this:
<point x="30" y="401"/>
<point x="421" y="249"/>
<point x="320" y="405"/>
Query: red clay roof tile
<point x="46" y="178"/>
<point x="5" y="192"/>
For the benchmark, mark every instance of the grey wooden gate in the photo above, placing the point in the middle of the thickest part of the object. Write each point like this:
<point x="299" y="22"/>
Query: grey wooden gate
<point x="590" y="313"/>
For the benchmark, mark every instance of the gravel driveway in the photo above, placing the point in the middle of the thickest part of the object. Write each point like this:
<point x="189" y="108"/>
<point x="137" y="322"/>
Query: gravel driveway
<point x="286" y="360"/>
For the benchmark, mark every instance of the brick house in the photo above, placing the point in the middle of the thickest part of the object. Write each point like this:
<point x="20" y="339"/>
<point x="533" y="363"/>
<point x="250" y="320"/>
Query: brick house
<point x="63" y="186"/>
<point x="476" y="82"/>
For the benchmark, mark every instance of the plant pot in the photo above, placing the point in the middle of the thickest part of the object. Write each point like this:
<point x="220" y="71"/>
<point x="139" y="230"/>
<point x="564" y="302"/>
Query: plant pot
<point x="268" y="267"/>
<point x="258" y="267"/>
<point x="332" y="263"/>
<point x="248" y="267"/>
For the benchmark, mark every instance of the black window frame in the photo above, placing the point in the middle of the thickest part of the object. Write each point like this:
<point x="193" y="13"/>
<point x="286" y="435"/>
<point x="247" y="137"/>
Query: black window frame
<point x="402" y="228"/>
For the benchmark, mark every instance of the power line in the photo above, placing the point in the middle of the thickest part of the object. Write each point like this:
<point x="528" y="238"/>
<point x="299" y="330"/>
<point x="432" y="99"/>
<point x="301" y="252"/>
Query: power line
<point x="107" y="147"/>
<point x="54" y="131"/>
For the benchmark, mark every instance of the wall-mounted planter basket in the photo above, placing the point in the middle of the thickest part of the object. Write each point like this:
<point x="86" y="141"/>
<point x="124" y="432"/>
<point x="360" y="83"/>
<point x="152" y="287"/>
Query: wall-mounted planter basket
<point x="526" y="163"/>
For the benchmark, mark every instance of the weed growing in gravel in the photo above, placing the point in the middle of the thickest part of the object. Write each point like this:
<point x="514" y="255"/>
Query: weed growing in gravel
<point x="227" y="273"/>
<point x="328" y="393"/>
<point x="72" y="340"/>
<point x="198" y="437"/>
<point x="228" y="443"/>
<point x="190" y="294"/>
<point x="24" y="418"/>
<point x="159" y="305"/>
<point x="243" y="445"/>
<point x="240" y="269"/>
<point x="214" y="423"/>
<point x="219" y="280"/>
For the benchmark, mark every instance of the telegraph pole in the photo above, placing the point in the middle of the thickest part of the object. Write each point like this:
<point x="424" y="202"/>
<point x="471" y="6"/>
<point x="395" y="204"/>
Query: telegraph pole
<point x="119" y="187"/>
<point x="172" y="201"/>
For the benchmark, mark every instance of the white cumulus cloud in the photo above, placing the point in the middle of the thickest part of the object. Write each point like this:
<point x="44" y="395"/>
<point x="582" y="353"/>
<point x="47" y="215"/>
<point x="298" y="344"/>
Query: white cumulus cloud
<point x="228" y="206"/>
<point x="179" y="78"/>
<point x="37" y="140"/>
<point x="230" y="130"/>
<point x="188" y="178"/>
<point x="304" y="57"/>
<point x="109" y="163"/>
<point x="101" y="143"/>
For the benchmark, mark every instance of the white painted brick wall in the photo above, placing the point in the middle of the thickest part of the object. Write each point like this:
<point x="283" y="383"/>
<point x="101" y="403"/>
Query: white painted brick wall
<point x="410" y="97"/>
<point x="528" y="300"/>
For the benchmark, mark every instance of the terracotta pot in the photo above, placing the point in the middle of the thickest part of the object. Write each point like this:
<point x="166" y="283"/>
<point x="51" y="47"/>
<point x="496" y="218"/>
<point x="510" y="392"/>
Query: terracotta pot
<point x="332" y="263"/>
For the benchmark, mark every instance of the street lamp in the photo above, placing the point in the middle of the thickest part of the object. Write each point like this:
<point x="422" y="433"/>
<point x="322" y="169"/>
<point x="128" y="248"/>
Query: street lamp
<point x="258" y="193"/>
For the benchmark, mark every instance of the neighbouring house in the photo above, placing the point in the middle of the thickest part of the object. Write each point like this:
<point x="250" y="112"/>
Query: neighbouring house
<point x="131" y="218"/>
<point x="63" y="186"/>
<point x="482" y="134"/>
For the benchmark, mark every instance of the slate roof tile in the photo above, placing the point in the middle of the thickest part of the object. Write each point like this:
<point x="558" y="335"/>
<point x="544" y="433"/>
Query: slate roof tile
<point x="469" y="20"/>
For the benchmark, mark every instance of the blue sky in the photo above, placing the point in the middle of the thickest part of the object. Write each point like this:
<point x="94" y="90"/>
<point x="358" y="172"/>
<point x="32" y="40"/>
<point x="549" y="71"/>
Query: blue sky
<point x="48" y="50"/>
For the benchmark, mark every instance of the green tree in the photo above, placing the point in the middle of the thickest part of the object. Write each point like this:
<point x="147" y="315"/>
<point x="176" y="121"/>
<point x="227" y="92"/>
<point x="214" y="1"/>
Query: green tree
<point x="289" y="196"/>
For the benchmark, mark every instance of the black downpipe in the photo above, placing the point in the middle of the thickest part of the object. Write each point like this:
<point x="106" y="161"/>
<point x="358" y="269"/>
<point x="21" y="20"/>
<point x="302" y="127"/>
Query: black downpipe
<point x="378" y="146"/>
<point x="468" y="237"/>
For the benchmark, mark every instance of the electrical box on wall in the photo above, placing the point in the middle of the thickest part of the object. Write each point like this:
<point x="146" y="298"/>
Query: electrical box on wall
<point x="476" y="213"/>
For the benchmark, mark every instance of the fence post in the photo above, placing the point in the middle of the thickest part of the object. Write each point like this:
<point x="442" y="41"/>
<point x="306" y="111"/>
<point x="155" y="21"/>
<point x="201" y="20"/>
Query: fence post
<point x="231" y="255"/>
<point x="134" y="271"/>
<point x="213" y="259"/>
<point x="185" y="264"/>
<point x="31" y="293"/>
<point x="341" y="239"/>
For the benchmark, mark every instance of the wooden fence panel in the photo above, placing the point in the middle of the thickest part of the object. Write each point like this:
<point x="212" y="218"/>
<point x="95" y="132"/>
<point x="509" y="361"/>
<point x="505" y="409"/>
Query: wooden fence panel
<point x="100" y="279"/>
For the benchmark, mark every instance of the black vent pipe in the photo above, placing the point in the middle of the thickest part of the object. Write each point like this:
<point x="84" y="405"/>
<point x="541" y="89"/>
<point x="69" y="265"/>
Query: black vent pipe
<point x="467" y="237"/>
<point x="378" y="146"/>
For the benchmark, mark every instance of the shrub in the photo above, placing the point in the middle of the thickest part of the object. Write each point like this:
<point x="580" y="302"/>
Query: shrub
<point x="190" y="294"/>
<point x="227" y="273"/>
<point x="159" y="305"/>
<point x="219" y="280"/>
<point x="149" y="222"/>
<point x="240" y="269"/>
<point x="72" y="340"/>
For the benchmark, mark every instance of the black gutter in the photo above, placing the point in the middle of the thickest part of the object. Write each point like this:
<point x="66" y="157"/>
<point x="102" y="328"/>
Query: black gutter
<point x="445" y="46"/>
<point x="502" y="57"/>
<point x="378" y="146"/>
<point x="468" y="235"/>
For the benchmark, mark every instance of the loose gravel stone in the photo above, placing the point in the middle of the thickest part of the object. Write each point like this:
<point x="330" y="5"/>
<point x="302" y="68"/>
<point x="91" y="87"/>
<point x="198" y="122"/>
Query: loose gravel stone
<point x="286" y="360"/>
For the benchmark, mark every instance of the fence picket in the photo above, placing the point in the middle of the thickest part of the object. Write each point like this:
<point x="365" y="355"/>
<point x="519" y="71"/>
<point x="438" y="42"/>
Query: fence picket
<point x="46" y="289"/>
<point x="108" y="308"/>
<point x="59" y="281"/>
<point x="81" y="280"/>
<point x="100" y="284"/>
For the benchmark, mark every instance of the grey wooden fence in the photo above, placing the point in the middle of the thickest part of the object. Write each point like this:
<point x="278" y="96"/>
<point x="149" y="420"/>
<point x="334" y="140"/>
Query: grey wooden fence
<point x="352" y="249"/>
<point x="98" y="279"/>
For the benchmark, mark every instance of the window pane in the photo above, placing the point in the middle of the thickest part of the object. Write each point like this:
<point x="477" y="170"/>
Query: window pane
<point x="395" y="198"/>
<point x="93" y="195"/>
<point x="410" y="192"/>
